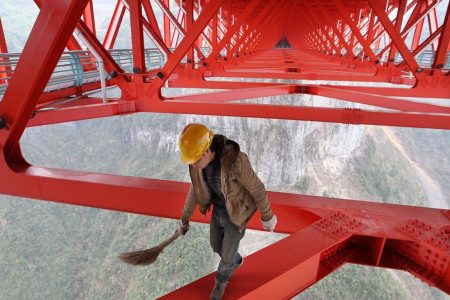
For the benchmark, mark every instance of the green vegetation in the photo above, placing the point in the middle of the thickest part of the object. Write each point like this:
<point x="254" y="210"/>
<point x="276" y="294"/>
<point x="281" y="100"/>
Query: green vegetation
<point x="303" y="184"/>
<point x="385" y="175"/>
<point x="55" y="251"/>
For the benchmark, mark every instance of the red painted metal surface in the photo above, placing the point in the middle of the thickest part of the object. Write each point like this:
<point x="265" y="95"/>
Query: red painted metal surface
<point x="333" y="40"/>
<point x="88" y="17"/>
<point x="114" y="25"/>
<point x="4" y="70"/>
<point x="137" y="36"/>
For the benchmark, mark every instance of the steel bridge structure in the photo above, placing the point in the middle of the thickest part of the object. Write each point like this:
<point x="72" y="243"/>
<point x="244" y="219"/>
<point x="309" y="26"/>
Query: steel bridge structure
<point x="246" y="49"/>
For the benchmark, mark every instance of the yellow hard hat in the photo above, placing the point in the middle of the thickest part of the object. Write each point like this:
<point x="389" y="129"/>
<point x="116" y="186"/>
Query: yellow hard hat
<point x="194" y="141"/>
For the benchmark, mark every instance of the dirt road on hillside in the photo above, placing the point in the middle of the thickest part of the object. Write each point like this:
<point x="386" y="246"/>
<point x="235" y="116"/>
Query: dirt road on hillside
<point x="430" y="186"/>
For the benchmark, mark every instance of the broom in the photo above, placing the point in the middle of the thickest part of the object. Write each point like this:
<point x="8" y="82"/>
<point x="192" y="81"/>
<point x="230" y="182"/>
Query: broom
<point x="148" y="256"/>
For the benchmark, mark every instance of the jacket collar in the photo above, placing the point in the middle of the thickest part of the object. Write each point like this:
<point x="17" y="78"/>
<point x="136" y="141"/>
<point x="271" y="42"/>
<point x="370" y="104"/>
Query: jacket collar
<point x="229" y="153"/>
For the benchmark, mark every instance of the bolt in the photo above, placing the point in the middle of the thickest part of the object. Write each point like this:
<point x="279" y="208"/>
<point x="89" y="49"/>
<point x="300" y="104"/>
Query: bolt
<point x="440" y="66"/>
<point x="136" y="70"/>
<point x="160" y="75"/>
<point x="2" y="123"/>
<point x="112" y="74"/>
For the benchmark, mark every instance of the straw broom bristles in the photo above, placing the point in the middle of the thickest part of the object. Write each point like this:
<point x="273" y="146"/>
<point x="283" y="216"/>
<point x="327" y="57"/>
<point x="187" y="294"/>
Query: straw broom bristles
<point x="148" y="256"/>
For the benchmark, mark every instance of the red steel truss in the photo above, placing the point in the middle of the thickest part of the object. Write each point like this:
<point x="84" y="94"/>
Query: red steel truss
<point x="331" y="40"/>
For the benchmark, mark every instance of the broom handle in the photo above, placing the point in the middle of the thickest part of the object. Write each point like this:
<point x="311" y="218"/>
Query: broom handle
<point x="167" y="242"/>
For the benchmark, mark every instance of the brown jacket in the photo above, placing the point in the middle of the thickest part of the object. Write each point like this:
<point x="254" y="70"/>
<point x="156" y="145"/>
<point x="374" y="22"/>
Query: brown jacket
<point x="243" y="190"/>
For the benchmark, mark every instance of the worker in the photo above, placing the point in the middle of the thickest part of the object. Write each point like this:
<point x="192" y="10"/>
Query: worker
<point x="221" y="176"/>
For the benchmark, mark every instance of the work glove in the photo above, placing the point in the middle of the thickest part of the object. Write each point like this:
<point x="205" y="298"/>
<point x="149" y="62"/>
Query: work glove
<point x="270" y="225"/>
<point x="182" y="228"/>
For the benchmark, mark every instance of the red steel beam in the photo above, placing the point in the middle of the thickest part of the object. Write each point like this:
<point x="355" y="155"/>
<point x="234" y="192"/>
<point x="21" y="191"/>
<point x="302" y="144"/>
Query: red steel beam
<point x="394" y="35"/>
<point x="377" y="100"/>
<point x="53" y="27"/>
<point x="154" y="35"/>
<point x="144" y="195"/>
<point x="432" y="25"/>
<point x="344" y="14"/>
<point x="416" y="19"/>
<point x="330" y="92"/>
<point x="398" y="27"/>
<point x="214" y="35"/>
<point x="71" y="91"/>
<point x="427" y="42"/>
<point x="266" y="14"/>
<point x="3" y="46"/>
<point x="444" y="43"/>
<point x="175" y="22"/>
<point x="110" y="63"/>
<point x="261" y="278"/>
<point x="318" y="23"/>
<point x="151" y="31"/>
<point x="417" y="34"/>
<point x="231" y="31"/>
<point x="4" y="70"/>
<point x="288" y="112"/>
<point x="87" y="108"/>
<point x="72" y="44"/>
<point x="137" y="37"/>
<point x="342" y="235"/>
<point x="114" y="25"/>
<point x="189" y="39"/>
<point x="88" y="17"/>
<point x="327" y="18"/>
<point x="189" y="12"/>
<point x="151" y="18"/>
<point x="167" y="25"/>
<point x="175" y="36"/>
<point x="334" y="229"/>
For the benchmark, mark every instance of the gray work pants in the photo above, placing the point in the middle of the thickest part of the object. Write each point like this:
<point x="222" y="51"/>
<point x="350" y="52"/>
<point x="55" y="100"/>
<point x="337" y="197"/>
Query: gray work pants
<point x="224" y="238"/>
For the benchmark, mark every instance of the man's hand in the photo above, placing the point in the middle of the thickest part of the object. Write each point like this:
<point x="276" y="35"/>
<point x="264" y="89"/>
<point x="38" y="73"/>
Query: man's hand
<point x="270" y="225"/>
<point x="182" y="228"/>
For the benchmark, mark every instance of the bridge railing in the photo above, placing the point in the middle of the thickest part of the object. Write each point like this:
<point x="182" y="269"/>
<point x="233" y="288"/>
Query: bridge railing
<point x="76" y="68"/>
<point x="424" y="59"/>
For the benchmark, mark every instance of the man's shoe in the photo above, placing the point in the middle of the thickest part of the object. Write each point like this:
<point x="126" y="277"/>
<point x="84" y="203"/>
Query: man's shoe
<point x="217" y="291"/>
